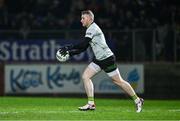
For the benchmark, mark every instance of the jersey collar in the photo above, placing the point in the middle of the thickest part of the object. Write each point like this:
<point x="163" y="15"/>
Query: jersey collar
<point x="90" y="24"/>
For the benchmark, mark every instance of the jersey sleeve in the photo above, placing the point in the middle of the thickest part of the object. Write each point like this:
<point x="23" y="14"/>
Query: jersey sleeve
<point x="78" y="48"/>
<point x="90" y="33"/>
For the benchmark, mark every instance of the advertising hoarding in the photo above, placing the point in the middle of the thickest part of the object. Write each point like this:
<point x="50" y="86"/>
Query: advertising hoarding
<point x="65" y="78"/>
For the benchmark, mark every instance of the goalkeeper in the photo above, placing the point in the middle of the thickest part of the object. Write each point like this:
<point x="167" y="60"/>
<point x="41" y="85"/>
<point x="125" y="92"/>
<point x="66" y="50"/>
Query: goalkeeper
<point x="104" y="60"/>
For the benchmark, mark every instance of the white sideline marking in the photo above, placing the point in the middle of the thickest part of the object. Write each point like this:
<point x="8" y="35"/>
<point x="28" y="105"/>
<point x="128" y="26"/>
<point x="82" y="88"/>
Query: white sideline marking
<point x="175" y="110"/>
<point x="4" y="113"/>
<point x="65" y="111"/>
<point x="46" y="112"/>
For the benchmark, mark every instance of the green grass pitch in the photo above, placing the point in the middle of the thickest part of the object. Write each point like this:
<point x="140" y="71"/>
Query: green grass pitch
<point x="49" y="108"/>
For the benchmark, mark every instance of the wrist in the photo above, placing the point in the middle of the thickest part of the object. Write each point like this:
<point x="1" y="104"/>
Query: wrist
<point x="69" y="47"/>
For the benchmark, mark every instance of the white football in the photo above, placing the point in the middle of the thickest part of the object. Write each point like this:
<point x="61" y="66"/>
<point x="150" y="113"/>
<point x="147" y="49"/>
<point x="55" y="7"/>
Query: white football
<point x="62" y="58"/>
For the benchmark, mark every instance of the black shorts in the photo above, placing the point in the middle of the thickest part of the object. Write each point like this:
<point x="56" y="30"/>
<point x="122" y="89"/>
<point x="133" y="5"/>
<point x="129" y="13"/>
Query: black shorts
<point x="108" y="64"/>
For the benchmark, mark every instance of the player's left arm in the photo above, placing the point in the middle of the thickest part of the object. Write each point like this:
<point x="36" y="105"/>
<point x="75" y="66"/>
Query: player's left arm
<point x="77" y="48"/>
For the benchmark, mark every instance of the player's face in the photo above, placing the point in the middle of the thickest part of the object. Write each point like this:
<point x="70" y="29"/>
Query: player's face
<point x="85" y="20"/>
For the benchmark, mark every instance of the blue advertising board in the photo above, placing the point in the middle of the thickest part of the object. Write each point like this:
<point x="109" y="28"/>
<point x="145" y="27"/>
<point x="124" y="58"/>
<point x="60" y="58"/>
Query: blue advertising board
<point x="66" y="78"/>
<point x="37" y="50"/>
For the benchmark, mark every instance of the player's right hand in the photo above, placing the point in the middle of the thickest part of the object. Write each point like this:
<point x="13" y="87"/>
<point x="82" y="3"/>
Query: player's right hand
<point x="63" y="50"/>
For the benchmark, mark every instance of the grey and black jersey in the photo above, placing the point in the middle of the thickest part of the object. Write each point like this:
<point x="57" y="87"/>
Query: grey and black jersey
<point x="98" y="42"/>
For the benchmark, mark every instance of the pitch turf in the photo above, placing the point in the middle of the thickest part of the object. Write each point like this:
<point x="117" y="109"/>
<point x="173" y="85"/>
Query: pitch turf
<point x="33" y="108"/>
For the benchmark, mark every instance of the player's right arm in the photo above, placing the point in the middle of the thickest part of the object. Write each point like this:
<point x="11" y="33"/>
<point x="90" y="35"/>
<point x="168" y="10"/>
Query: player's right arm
<point x="82" y="46"/>
<point x="77" y="48"/>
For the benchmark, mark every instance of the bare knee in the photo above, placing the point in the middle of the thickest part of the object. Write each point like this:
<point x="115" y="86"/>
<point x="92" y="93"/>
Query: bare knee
<point x="88" y="74"/>
<point x="85" y="77"/>
<point x="119" y="81"/>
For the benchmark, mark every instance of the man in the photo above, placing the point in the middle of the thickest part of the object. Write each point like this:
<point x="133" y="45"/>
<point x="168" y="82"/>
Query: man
<point x="104" y="60"/>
